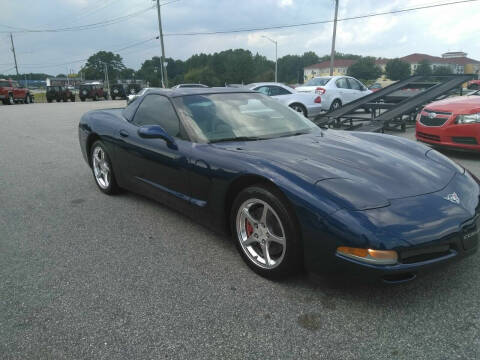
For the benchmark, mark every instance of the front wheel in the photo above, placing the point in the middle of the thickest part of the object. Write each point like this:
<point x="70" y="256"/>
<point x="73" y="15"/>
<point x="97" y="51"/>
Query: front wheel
<point x="299" y="108"/>
<point x="265" y="232"/>
<point x="102" y="169"/>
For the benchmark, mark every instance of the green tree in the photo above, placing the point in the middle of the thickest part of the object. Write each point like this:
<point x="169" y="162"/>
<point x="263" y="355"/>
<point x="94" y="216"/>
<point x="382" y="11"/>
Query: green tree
<point x="443" y="70"/>
<point x="424" y="68"/>
<point x="397" y="69"/>
<point x="365" y="69"/>
<point x="94" y="69"/>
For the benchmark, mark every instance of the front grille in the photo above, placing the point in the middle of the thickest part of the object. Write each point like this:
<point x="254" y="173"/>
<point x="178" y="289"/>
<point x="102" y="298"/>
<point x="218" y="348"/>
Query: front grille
<point x="436" y="121"/>
<point x="464" y="140"/>
<point x="428" y="136"/>
<point x="424" y="253"/>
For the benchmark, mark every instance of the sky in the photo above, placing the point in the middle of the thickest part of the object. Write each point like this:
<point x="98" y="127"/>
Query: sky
<point x="431" y="31"/>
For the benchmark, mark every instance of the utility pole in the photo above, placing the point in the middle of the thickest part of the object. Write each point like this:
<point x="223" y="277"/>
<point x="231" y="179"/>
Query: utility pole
<point x="163" y="68"/>
<point x="14" y="56"/>
<point x="276" y="56"/>
<point x="106" y="78"/>
<point x="332" y="54"/>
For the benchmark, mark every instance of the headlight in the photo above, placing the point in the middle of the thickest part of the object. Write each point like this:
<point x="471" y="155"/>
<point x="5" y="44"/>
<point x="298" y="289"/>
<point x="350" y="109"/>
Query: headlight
<point x="371" y="256"/>
<point x="468" y="119"/>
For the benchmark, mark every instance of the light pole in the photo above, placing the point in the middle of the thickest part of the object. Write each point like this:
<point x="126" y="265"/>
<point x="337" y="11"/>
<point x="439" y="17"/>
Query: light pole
<point x="332" y="54"/>
<point x="276" y="56"/>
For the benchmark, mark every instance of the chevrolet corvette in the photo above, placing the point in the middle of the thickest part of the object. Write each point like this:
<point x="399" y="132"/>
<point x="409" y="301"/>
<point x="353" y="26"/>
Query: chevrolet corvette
<point x="292" y="195"/>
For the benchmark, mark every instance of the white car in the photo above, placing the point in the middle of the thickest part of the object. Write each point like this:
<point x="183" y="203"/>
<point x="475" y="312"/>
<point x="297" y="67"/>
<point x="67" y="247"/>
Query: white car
<point x="307" y="104"/>
<point x="335" y="91"/>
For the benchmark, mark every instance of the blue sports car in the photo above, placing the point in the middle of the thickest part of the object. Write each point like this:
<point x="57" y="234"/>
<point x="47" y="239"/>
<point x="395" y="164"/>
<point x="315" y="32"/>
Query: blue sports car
<point x="291" y="194"/>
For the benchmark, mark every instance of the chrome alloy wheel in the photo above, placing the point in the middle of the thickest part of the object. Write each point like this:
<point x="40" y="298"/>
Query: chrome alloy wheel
<point x="260" y="233"/>
<point x="101" y="169"/>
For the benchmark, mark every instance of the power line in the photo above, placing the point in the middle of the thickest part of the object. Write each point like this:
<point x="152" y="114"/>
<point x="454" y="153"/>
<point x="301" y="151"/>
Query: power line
<point x="316" y="22"/>
<point x="92" y="26"/>
<point x="82" y="60"/>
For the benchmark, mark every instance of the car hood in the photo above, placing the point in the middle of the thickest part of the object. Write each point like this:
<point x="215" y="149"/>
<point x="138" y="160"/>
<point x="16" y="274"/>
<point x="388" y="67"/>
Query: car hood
<point x="394" y="167"/>
<point x="457" y="105"/>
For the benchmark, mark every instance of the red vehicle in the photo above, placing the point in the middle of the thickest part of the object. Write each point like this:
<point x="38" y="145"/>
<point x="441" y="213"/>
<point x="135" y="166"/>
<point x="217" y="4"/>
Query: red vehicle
<point x="11" y="92"/>
<point x="473" y="84"/>
<point x="453" y="123"/>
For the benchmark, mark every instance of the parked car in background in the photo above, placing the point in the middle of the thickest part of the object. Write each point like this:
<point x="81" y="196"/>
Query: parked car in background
<point x="119" y="90"/>
<point x="59" y="93"/>
<point x="92" y="91"/>
<point x="11" y="92"/>
<point x="132" y="97"/>
<point x="453" y="122"/>
<point x="473" y="84"/>
<point x="335" y="91"/>
<point x="309" y="104"/>
<point x="189" y="86"/>
<point x="134" y="88"/>
<point x="375" y="87"/>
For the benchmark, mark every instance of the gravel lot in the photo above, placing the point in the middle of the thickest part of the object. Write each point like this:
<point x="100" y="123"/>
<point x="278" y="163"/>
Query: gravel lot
<point x="88" y="276"/>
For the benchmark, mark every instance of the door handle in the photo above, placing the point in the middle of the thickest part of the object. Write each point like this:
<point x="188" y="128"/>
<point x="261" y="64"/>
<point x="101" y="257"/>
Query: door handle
<point x="123" y="133"/>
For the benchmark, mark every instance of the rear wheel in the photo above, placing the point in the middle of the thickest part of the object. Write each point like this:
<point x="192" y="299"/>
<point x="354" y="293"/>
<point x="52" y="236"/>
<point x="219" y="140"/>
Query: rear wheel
<point x="299" y="108"/>
<point x="49" y="100"/>
<point x="265" y="232"/>
<point x="82" y="99"/>
<point x="336" y="104"/>
<point x="102" y="169"/>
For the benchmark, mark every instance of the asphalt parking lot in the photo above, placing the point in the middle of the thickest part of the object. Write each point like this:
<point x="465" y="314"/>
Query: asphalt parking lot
<point x="88" y="276"/>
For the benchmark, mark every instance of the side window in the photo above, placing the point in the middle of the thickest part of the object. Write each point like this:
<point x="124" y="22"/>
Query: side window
<point x="277" y="90"/>
<point x="264" y="90"/>
<point x="157" y="110"/>
<point x="342" y="83"/>
<point x="354" y="84"/>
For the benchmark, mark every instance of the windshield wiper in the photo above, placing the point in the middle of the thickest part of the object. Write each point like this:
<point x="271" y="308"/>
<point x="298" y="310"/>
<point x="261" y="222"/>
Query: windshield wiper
<point x="239" y="138"/>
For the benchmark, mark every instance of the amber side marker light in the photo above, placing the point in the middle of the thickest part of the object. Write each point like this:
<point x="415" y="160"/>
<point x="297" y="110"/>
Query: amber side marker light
<point x="371" y="256"/>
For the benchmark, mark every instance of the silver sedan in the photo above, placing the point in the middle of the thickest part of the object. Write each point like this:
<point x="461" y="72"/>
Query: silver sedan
<point x="309" y="104"/>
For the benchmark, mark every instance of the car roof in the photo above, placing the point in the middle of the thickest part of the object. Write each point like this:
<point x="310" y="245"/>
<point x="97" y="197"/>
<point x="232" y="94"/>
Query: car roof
<point x="265" y="83"/>
<point x="197" y="91"/>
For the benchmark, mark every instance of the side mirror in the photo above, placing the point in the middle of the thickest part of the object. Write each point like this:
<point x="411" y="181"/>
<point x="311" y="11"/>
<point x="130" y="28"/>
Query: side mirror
<point x="157" y="132"/>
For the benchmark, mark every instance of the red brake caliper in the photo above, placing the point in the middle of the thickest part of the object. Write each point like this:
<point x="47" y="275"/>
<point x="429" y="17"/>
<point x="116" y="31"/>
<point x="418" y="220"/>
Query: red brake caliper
<point x="248" y="228"/>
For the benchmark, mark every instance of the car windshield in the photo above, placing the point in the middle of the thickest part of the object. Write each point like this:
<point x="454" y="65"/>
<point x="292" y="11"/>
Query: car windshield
<point x="317" y="82"/>
<point x="239" y="116"/>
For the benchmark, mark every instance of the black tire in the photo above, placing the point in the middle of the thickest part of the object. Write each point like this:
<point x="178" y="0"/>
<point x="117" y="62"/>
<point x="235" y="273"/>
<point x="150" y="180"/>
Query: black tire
<point x="27" y="99"/>
<point x="293" y="253"/>
<point x="336" y="104"/>
<point x="112" y="187"/>
<point x="72" y="99"/>
<point x="95" y="98"/>
<point x="11" y="100"/>
<point x="113" y="97"/>
<point x="299" y="108"/>
<point x="49" y="100"/>
<point x="82" y="99"/>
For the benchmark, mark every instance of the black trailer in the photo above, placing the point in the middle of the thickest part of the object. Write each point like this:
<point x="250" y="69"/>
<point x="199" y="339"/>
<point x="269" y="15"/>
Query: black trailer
<point x="395" y="106"/>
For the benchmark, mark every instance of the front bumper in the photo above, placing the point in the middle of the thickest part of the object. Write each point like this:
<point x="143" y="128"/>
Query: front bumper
<point x="426" y="231"/>
<point x="450" y="135"/>
<point x="405" y="270"/>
